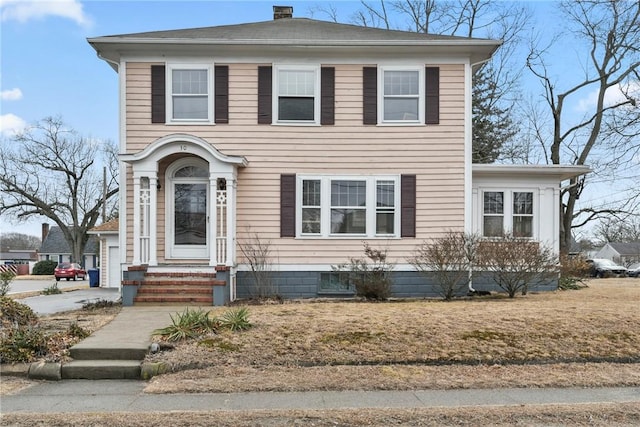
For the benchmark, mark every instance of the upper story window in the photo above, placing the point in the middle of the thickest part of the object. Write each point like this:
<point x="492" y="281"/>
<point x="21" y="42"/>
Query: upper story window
<point x="348" y="206"/>
<point x="184" y="93"/>
<point x="510" y="211"/>
<point x="297" y="97"/>
<point x="191" y="93"/>
<point x="401" y="95"/>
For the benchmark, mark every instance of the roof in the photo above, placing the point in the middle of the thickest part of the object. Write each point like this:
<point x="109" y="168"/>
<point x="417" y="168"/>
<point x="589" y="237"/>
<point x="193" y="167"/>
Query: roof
<point x="296" y="35"/>
<point x="561" y="172"/>
<point x="110" y="227"/>
<point x="632" y="248"/>
<point x="291" y="30"/>
<point x="19" y="255"/>
<point x="55" y="243"/>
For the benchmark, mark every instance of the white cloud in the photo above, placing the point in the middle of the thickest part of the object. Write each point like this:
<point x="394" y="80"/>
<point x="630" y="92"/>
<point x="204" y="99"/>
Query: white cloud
<point x="10" y="124"/>
<point x="26" y="10"/>
<point x="612" y="96"/>
<point x="11" y="95"/>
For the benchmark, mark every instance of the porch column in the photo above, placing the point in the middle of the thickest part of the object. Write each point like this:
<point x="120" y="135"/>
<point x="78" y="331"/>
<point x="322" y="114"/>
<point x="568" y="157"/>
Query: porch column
<point x="231" y="220"/>
<point x="153" y="219"/>
<point x="212" y="223"/>
<point x="136" y="219"/>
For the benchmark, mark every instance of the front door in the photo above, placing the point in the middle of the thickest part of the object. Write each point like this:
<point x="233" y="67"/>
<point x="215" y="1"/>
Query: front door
<point x="188" y="207"/>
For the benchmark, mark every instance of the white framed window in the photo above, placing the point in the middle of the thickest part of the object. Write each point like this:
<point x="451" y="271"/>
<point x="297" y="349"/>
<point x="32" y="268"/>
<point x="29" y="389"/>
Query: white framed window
<point x="401" y="99"/>
<point x="190" y="93"/>
<point x="348" y="206"/>
<point x="508" y="212"/>
<point x="297" y="94"/>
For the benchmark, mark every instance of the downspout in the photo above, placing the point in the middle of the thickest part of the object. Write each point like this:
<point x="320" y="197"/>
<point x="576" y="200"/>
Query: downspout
<point x="469" y="249"/>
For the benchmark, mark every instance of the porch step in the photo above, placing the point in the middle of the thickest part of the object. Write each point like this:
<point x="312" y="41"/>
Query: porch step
<point x="177" y="287"/>
<point x="174" y="299"/>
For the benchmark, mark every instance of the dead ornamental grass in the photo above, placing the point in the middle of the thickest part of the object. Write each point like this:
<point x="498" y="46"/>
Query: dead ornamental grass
<point x="541" y="340"/>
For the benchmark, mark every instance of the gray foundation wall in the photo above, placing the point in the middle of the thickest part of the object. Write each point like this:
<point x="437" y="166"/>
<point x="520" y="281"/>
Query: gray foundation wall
<point x="406" y="284"/>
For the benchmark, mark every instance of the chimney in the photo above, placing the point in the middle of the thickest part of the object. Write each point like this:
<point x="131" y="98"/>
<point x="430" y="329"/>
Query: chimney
<point x="280" y="12"/>
<point x="45" y="231"/>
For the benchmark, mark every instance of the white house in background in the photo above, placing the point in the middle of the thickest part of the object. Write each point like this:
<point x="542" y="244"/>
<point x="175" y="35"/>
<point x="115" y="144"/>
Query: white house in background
<point x="313" y="135"/>
<point x="107" y="235"/>
<point x="620" y="253"/>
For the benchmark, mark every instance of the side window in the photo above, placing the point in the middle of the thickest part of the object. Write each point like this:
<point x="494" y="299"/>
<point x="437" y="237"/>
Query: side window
<point x="311" y="206"/>
<point x="385" y="207"/>
<point x="493" y="224"/>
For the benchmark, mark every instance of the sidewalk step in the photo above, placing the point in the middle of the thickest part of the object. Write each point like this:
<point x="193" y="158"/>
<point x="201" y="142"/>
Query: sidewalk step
<point x="108" y="351"/>
<point x="101" y="370"/>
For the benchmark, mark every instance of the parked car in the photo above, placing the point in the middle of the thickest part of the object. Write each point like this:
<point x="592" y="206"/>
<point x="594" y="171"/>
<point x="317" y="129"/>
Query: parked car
<point x="601" y="267"/>
<point x="634" y="270"/>
<point x="68" y="270"/>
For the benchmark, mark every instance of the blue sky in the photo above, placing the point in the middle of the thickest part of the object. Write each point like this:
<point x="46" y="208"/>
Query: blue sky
<point x="48" y="68"/>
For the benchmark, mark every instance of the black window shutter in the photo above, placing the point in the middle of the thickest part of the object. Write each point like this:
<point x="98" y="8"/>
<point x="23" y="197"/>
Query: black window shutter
<point x="264" y="95"/>
<point x="158" y="88"/>
<point x="432" y="98"/>
<point x="287" y="205"/>
<point x="408" y="206"/>
<point x="222" y="94"/>
<point x="327" y="95"/>
<point x="370" y="95"/>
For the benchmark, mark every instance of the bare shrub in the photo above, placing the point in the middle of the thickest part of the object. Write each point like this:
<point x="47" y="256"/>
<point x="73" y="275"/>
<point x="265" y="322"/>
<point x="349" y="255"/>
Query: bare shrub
<point x="371" y="276"/>
<point x="515" y="263"/>
<point x="449" y="260"/>
<point x="257" y="254"/>
<point x="573" y="271"/>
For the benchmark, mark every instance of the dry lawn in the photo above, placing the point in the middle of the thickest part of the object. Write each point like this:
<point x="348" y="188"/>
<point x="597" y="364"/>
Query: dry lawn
<point x="589" y="337"/>
<point x="609" y="415"/>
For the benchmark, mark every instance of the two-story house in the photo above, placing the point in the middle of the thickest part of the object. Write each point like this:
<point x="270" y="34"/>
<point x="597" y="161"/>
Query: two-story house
<point x="314" y="137"/>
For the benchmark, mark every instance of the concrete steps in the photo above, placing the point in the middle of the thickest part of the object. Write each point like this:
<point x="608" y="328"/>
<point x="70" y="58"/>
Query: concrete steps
<point x="101" y="370"/>
<point x="117" y="350"/>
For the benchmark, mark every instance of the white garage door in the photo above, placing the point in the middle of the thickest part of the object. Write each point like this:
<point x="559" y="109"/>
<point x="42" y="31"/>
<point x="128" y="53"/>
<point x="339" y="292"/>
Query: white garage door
<point x="113" y="278"/>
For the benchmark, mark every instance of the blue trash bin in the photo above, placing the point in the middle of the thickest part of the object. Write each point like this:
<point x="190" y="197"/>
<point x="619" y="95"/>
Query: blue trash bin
<point x="94" y="278"/>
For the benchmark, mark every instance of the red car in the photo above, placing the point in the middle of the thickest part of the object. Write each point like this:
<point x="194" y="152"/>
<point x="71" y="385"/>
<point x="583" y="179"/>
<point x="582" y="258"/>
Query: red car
<point x="67" y="270"/>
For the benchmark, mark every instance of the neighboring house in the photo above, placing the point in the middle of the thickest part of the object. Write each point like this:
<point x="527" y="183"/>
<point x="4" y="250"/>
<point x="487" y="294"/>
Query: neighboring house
<point x="55" y="247"/>
<point x="18" y="261"/>
<point x="621" y="253"/>
<point x="109" y="259"/>
<point x="314" y="136"/>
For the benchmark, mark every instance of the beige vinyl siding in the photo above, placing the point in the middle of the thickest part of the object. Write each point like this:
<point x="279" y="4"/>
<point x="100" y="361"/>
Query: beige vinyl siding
<point x="435" y="153"/>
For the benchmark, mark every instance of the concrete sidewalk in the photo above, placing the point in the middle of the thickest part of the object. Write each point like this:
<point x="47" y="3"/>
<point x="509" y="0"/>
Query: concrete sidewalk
<point x="128" y="396"/>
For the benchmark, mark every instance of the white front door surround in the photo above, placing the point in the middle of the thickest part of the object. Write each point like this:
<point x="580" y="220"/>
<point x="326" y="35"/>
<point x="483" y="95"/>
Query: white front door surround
<point x="210" y="206"/>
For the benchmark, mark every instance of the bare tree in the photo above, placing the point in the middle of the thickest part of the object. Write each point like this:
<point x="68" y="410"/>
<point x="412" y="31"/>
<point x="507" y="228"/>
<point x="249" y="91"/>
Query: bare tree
<point x="606" y="136"/>
<point x="18" y="241"/>
<point x="49" y="170"/>
<point x="257" y="254"/>
<point x="620" y="230"/>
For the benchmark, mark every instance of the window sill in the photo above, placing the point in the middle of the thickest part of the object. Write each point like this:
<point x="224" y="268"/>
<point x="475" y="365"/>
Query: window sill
<point x="191" y="123"/>
<point x="349" y="237"/>
<point x="299" y="124"/>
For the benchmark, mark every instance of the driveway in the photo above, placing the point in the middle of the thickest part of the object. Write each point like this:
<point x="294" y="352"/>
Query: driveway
<point x="73" y="297"/>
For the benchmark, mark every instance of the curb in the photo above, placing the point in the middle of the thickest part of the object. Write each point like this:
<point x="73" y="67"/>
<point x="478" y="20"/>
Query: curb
<point x="51" y="371"/>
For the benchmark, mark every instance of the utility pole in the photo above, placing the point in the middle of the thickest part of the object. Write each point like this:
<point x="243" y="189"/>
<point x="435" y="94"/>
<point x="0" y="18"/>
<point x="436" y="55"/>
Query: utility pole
<point x="104" y="194"/>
